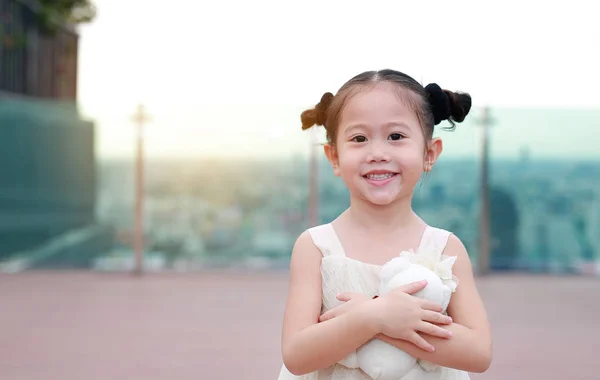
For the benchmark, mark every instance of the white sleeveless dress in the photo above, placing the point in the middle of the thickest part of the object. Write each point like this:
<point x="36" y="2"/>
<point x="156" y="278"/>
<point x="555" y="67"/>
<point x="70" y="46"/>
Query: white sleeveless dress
<point x="339" y="274"/>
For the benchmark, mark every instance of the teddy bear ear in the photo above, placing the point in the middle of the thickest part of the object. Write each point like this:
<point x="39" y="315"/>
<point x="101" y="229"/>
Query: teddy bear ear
<point x="408" y="253"/>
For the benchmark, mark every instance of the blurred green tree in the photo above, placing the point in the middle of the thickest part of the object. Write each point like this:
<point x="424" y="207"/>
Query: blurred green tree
<point x="54" y="13"/>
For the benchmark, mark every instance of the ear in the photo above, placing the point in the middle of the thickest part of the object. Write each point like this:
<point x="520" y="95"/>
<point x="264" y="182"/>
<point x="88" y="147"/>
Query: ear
<point x="434" y="149"/>
<point x="332" y="156"/>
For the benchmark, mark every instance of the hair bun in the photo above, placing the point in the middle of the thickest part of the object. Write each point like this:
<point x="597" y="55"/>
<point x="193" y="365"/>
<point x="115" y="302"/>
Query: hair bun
<point x="317" y="115"/>
<point x="448" y="105"/>
<point x="322" y="108"/>
<point x="439" y="102"/>
<point x="460" y="105"/>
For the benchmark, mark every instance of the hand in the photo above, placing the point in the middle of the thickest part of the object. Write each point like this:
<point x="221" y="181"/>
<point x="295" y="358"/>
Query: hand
<point x="350" y="299"/>
<point x="402" y="316"/>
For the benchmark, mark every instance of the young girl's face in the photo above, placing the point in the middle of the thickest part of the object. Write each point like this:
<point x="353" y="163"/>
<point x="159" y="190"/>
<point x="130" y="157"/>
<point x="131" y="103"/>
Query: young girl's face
<point x="380" y="147"/>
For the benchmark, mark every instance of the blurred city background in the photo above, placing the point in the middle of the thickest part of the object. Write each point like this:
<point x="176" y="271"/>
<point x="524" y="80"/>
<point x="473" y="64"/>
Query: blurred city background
<point x="154" y="176"/>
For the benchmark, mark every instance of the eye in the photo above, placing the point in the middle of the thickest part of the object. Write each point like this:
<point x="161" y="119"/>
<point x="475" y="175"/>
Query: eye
<point x="359" y="139"/>
<point x="395" y="136"/>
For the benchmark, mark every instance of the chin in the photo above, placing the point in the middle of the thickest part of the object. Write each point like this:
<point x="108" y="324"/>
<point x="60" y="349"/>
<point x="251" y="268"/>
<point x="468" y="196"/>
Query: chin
<point x="381" y="200"/>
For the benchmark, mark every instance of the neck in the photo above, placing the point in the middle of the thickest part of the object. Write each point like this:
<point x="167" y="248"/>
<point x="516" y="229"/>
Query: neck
<point x="382" y="219"/>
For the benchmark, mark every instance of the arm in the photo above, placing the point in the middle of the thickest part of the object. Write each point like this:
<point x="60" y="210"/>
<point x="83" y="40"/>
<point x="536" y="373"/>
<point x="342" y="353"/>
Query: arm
<point x="306" y="344"/>
<point x="470" y="347"/>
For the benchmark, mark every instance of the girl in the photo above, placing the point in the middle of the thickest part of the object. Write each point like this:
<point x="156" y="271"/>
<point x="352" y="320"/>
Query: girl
<point x="380" y="141"/>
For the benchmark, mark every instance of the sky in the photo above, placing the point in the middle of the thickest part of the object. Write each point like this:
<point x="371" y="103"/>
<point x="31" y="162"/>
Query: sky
<point x="230" y="78"/>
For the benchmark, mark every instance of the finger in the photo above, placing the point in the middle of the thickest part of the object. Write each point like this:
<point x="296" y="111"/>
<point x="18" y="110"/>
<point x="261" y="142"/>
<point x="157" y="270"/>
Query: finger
<point x="413" y="287"/>
<point x="435" y="317"/>
<point x="428" y="305"/>
<point x="420" y="342"/>
<point x="345" y="297"/>
<point x="327" y="316"/>
<point x="433" y="330"/>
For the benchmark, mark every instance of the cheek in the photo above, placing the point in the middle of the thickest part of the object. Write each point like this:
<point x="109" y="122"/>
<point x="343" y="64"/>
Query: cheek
<point x="350" y="165"/>
<point x="347" y="158"/>
<point x="412" y="159"/>
<point x="347" y="165"/>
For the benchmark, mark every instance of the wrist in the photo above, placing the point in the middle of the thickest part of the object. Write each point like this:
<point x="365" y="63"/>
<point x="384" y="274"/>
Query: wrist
<point x="372" y="315"/>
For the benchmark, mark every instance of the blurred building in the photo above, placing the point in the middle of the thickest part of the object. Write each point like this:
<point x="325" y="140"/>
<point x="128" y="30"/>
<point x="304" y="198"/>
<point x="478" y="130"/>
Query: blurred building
<point x="32" y="63"/>
<point x="48" y="169"/>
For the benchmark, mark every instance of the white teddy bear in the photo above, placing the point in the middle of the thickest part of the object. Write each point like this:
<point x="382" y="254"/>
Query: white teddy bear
<point x="382" y="361"/>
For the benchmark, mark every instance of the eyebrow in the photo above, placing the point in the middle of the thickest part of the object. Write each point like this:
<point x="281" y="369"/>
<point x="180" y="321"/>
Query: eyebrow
<point x="352" y="127"/>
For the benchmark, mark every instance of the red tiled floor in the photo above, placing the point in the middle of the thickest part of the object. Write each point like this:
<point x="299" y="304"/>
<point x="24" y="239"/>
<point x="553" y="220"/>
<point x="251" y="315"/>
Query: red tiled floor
<point x="82" y="325"/>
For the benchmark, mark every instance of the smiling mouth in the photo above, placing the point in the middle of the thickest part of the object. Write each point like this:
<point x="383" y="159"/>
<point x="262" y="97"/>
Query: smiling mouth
<point x="379" y="177"/>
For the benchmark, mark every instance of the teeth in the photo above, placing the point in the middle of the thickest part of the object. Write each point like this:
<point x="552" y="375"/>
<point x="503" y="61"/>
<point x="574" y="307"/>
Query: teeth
<point x="379" y="177"/>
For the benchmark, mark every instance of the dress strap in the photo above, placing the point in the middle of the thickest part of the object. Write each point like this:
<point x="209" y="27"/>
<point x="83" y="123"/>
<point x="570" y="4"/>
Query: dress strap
<point x="433" y="241"/>
<point x="326" y="239"/>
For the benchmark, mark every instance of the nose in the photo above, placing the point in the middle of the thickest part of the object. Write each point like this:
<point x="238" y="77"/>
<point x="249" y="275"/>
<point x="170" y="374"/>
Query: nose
<point x="378" y="152"/>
